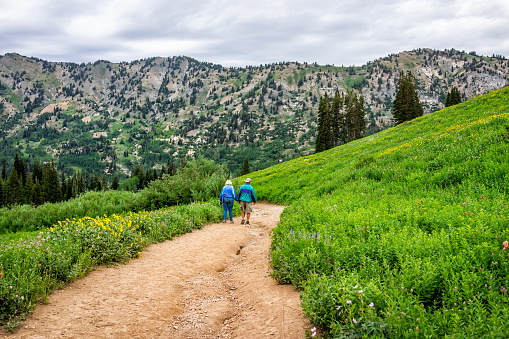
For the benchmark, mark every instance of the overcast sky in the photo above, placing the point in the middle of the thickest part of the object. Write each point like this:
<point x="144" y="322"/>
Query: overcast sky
<point x="253" y="32"/>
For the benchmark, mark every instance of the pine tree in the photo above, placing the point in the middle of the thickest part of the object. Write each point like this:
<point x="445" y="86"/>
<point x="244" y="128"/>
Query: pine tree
<point x="21" y="169"/>
<point x="349" y="107"/>
<point x="27" y="190"/>
<point x="37" y="172"/>
<point x="337" y="119"/>
<point x="51" y="189"/>
<point x="95" y="184"/>
<point x="245" y="169"/>
<point x="13" y="191"/>
<point x="4" y="169"/>
<point x="456" y="96"/>
<point x="70" y="187"/>
<point x="406" y="105"/>
<point x="115" y="182"/>
<point x="163" y="172"/>
<point x="74" y="186"/>
<point x="80" y="187"/>
<point x="453" y="97"/>
<point x="323" y="138"/>
<point x="36" y="195"/>
<point x="2" y="199"/>
<point x="104" y="183"/>
<point x="138" y="172"/>
<point x="170" y="167"/>
<point x="341" y="121"/>
<point x="63" y="183"/>
<point x="358" y="123"/>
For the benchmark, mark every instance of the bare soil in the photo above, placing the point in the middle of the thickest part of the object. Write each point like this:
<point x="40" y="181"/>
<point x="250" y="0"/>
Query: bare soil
<point x="211" y="283"/>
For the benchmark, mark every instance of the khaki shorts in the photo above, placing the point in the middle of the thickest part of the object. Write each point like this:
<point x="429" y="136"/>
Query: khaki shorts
<point x="246" y="207"/>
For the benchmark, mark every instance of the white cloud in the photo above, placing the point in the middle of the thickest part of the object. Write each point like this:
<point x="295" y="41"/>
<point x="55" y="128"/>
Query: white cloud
<point x="240" y="33"/>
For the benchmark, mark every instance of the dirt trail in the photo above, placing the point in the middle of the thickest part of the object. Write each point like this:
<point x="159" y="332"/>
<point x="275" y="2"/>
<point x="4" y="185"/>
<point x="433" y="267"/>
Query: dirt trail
<point x="211" y="283"/>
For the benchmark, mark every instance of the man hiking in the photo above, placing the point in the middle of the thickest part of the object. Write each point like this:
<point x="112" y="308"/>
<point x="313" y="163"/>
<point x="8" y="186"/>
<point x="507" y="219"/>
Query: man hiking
<point x="247" y="197"/>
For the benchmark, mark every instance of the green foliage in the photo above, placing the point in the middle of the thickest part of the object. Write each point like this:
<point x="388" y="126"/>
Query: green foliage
<point x="115" y="182"/>
<point x="199" y="180"/>
<point x="340" y="121"/>
<point x="130" y="184"/>
<point x="406" y="105"/>
<point x="245" y="167"/>
<point x="403" y="233"/>
<point x="453" y="97"/>
<point x="323" y="137"/>
<point x="29" y="218"/>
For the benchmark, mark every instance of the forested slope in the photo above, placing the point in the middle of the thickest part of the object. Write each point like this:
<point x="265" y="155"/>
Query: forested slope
<point x="107" y="117"/>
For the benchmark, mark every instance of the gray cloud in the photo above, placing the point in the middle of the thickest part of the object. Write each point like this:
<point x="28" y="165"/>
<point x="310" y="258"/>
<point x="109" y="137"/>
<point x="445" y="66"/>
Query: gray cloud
<point x="240" y="33"/>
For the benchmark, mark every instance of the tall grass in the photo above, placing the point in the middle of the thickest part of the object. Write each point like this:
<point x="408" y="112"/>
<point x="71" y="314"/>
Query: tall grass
<point x="403" y="233"/>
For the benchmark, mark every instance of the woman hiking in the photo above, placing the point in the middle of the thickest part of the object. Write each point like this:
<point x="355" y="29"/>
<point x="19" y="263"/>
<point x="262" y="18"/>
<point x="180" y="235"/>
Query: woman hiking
<point x="227" y="198"/>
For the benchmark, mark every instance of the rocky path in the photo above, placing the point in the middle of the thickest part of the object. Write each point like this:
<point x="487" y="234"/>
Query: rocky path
<point x="211" y="283"/>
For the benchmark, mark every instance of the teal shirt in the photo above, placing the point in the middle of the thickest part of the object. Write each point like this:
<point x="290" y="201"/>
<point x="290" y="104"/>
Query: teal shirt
<point x="247" y="193"/>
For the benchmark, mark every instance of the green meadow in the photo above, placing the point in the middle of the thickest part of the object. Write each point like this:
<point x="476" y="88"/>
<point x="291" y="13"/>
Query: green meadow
<point x="403" y="233"/>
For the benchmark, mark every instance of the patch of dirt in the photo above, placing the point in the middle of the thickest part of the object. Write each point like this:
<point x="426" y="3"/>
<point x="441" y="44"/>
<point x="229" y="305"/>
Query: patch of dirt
<point x="51" y="107"/>
<point x="211" y="283"/>
<point x="99" y="134"/>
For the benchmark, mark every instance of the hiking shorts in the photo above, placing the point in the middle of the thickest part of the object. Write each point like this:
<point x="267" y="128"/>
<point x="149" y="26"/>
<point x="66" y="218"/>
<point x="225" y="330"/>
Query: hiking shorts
<point x="246" y="207"/>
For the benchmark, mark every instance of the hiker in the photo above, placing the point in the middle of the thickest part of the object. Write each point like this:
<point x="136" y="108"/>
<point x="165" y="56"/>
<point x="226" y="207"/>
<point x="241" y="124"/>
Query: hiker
<point x="247" y="197"/>
<point x="226" y="198"/>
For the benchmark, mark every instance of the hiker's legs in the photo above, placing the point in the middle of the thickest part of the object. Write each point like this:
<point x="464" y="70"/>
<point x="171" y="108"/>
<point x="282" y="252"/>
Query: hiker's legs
<point x="224" y="210"/>
<point x="227" y="206"/>
<point x="247" y="208"/>
<point x="230" y="209"/>
<point x="243" y="208"/>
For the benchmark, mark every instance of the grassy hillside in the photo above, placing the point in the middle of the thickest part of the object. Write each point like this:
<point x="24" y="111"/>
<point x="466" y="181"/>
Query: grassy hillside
<point x="403" y="233"/>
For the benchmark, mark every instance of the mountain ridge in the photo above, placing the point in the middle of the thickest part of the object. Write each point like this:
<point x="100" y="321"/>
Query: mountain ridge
<point x="109" y="117"/>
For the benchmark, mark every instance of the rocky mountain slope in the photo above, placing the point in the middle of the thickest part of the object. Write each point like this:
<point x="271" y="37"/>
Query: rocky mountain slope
<point x="109" y="117"/>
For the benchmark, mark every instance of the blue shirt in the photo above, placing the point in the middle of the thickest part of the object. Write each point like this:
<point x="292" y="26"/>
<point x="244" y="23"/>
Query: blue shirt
<point x="228" y="192"/>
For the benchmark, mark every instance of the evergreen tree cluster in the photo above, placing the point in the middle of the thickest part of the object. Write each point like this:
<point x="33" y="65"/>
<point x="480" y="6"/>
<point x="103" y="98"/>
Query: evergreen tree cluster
<point x="42" y="184"/>
<point x="141" y="178"/>
<point x="406" y="105"/>
<point x="453" y="97"/>
<point x="340" y="120"/>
